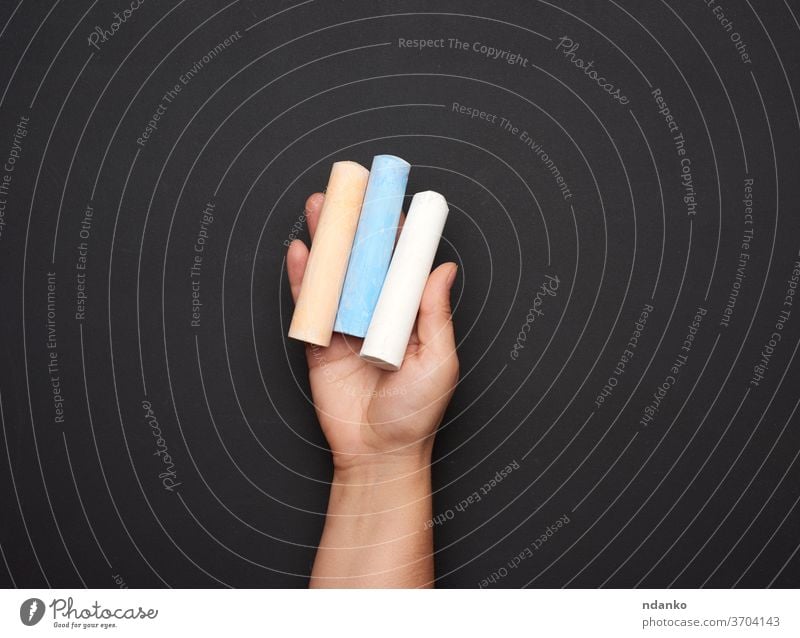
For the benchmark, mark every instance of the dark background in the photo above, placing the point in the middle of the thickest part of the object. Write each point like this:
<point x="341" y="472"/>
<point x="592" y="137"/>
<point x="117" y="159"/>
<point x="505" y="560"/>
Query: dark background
<point x="705" y="494"/>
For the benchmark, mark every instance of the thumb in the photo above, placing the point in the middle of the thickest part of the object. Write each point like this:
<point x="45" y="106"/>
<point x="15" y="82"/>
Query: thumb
<point x="434" y="323"/>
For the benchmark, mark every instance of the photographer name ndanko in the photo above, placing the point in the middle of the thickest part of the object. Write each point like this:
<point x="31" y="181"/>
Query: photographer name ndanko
<point x="670" y="604"/>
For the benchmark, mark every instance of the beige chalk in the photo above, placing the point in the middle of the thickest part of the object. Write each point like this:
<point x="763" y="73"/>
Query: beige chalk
<point x="315" y="312"/>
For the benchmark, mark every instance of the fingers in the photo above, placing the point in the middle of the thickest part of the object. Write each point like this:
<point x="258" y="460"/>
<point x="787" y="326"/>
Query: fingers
<point x="434" y="324"/>
<point x="434" y="312"/>
<point x="297" y="255"/>
<point x="296" y="258"/>
<point x="312" y="211"/>
<point x="400" y="223"/>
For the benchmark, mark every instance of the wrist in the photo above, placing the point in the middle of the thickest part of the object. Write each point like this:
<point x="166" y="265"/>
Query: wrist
<point x="383" y="470"/>
<point x="377" y="528"/>
<point x="409" y="458"/>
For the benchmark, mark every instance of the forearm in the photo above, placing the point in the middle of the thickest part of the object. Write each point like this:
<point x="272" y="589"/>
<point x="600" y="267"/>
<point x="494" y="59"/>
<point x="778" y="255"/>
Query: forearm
<point x="375" y="531"/>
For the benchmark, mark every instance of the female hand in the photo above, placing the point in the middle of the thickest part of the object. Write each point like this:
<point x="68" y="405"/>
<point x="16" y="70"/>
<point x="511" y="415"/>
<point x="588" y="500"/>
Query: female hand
<point x="369" y="415"/>
<point x="380" y="427"/>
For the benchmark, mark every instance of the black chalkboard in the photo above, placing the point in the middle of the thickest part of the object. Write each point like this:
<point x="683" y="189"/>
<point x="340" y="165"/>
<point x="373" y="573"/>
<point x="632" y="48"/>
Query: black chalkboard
<point x="638" y="159"/>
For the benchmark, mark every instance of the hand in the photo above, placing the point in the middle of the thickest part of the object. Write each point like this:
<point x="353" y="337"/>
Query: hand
<point x="380" y="427"/>
<point x="371" y="416"/>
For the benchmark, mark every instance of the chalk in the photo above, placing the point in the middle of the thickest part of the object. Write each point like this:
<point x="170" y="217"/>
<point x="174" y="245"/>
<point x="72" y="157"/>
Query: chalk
<point x="315" y="311"/>
<point x="393" y="319"/>
<point x="373" y="244"/>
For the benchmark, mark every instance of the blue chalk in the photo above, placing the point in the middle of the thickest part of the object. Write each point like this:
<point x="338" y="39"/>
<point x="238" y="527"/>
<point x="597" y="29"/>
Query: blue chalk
<point x="373" y="244"/>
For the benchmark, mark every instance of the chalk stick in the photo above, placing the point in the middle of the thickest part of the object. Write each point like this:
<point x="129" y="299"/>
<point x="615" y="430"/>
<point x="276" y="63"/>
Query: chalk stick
<point x="315" y="311"/>
<point x="393" y="319"/>
<point x="373" y="244"/>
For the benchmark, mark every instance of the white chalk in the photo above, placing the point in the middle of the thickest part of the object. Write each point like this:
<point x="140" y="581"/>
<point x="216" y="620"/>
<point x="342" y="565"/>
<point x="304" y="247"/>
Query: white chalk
<point x="387" y="338"/>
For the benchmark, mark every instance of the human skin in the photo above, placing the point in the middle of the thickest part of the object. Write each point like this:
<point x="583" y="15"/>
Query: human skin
<point x="380" y="427"/>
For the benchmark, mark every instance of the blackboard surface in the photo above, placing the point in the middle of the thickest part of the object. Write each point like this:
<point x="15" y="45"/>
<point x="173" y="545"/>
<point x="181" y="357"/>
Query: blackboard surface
<point x="637" y="159"/>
